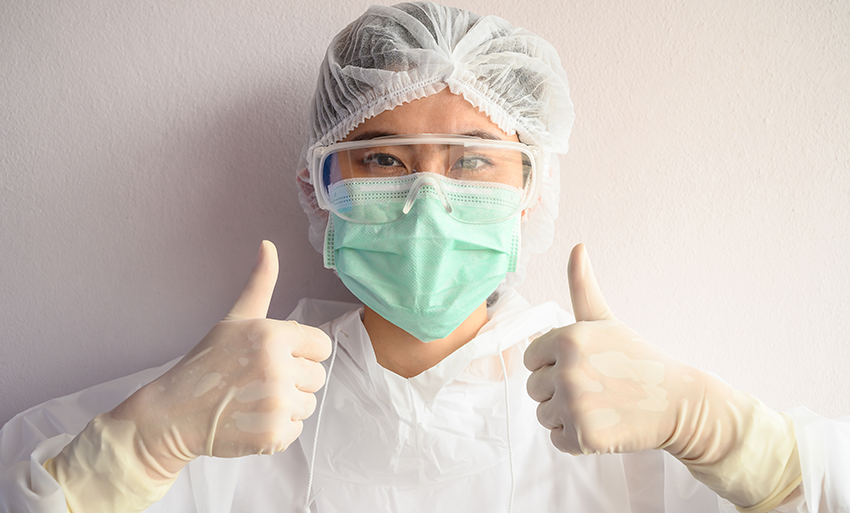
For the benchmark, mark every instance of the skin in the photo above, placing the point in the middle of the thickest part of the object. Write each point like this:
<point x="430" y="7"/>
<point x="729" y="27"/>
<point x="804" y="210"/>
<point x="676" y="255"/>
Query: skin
<point x="482" y="163"/>
<point x="441" y="113"/>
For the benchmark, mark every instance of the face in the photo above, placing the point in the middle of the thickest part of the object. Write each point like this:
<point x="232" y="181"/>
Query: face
<point x="442" y="113"/>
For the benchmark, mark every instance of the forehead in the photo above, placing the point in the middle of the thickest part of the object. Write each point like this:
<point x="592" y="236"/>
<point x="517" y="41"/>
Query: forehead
<point x="441" y="113"/>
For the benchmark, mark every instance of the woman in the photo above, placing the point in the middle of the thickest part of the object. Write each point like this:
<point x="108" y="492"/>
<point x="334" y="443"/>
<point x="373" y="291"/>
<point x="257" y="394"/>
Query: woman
<point x="429" y="178"/>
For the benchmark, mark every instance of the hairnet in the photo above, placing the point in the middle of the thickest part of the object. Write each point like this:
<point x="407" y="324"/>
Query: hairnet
<point x="396" y="54"/>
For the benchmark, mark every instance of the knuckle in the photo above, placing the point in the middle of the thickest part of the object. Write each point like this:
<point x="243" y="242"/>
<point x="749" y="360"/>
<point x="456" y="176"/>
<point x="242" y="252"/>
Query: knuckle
<point x="317" y="371"/>
<point x="530" y="355"/>
<point x="531" y="386"/>
<point x="297" y="428"/>
<point x="571" y="338"/>
<point x="258" y="328"/>
<point x="536" y="386"/>
<point x="318" y="341"/>
<point x="563" y="440"/>
<point x="540" y="417"/>
<point x="570" y="351"/>
<point x="558" y="440"/>
<point x="323" y="343"/>
<point x="259" y="333"/>
<point x="311" y="377"/>
<point x="543" y="416"/>
<point x="310" y="405"/>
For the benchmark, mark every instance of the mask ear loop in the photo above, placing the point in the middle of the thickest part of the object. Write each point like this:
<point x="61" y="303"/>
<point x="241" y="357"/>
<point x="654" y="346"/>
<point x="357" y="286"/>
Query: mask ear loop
<point x="309" y="499"/>
<point x="510" y="445"/>
<point x="421" y="181"/>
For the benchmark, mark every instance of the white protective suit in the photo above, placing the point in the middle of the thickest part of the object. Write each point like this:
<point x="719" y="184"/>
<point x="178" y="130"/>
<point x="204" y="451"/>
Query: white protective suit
<point x="439" y="441"/>
<point x="435" y="442"/>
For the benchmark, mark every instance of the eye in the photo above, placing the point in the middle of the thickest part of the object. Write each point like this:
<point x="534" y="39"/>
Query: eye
<point x="382" y="160"/>
<point x="471" y="163"/>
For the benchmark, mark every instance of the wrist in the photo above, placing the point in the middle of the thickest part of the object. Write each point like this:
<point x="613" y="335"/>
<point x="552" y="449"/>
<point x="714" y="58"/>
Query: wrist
<point x="100" y="471"/>
<point x="697" y="438"/>
<point x="156" y="442"/>
<point x="735" y="445"/>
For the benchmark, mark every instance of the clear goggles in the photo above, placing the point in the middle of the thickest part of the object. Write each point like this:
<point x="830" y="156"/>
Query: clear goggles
<point x="378" y="180"/>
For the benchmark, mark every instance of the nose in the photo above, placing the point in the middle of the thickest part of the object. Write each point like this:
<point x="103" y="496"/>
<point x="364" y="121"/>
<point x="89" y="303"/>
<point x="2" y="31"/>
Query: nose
<point x="430" y="180"/>
<point x="432" y="158"/>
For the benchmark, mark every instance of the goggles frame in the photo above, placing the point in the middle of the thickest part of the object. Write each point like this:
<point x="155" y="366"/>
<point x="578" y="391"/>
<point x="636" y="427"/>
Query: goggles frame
<point x="318" y="154"/>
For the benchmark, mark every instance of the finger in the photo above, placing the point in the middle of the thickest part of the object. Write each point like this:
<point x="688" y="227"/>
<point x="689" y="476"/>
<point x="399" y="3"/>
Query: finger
<point x="587" y="300"/>
<point x="541" y="384"/>
<point x="306" y="405"/>
<point x="309" y="342"/>
<point x="297" y="428"/>
<point x="547" y="415"/>
<point x="562" y="431"/>
<point x="253" y="302"/>
<point x="310" y="376"/>
<point x="565" y="440"/>
<point x="540" y="352"/>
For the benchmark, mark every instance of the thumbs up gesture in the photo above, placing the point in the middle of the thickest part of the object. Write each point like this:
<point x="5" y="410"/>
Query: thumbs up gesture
<point x="604" y="389"/>
<point x="244" y="389"/>
<point x="601" y="387"/>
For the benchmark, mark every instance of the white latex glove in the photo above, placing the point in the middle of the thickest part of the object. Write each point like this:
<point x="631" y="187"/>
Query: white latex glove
<point x="604" y="389"/>
<point x="244" y="389"/>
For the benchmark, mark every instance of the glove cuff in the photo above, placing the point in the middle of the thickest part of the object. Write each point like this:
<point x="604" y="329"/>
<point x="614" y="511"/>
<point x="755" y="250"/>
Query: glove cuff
<point x="741" y="449"/>
<point x="104" y="469"/>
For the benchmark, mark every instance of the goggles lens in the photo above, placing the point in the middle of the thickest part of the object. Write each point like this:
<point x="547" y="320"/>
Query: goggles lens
<point x="377" y="181"/>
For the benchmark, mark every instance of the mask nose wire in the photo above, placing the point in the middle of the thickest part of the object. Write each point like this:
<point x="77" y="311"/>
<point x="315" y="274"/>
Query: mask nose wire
<point x="508" y="422"/>
<point x="422" y="180"/>
<point x="311" y="498"/>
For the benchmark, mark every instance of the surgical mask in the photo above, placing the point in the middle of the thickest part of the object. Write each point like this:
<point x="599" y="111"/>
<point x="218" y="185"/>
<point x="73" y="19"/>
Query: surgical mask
<point x="430" y="268"/>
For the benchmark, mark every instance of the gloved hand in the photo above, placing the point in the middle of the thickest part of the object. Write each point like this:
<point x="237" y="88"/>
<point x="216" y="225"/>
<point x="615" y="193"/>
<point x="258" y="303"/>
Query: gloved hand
<point x="604" y="389"/>
<point x="244" y="389"/>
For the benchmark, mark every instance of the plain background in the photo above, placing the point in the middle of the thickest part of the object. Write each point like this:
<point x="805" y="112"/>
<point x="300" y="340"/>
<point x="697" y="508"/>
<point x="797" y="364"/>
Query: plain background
<point x="147" y="147"/>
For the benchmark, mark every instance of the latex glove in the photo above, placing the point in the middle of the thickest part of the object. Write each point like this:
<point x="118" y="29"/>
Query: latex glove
<point x="244" y="389"/>
<point x="604" y="389"/>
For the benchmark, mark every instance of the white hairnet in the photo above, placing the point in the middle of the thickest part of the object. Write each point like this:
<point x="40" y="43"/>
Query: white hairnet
<point x="393" y="55"/>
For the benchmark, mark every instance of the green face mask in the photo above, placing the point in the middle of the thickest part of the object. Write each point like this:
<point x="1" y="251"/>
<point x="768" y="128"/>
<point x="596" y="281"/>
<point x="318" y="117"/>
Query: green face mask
<point x="427" y="271"/>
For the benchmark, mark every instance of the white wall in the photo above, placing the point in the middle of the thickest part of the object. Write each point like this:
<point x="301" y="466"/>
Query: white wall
<point x="147" y="147"/>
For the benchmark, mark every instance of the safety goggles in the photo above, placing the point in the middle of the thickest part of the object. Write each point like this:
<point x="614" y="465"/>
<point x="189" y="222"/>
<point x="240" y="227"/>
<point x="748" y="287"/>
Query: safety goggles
<point x="378" y="180"/>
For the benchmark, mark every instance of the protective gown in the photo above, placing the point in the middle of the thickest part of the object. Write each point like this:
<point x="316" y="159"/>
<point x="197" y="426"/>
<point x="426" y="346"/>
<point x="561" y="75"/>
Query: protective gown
<point x="439" y="441"/>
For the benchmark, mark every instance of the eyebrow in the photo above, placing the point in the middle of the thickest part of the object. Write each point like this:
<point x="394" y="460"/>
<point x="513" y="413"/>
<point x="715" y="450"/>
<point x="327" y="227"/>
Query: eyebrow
<point x="483" y="134"/>
<point x="372" y="134"/>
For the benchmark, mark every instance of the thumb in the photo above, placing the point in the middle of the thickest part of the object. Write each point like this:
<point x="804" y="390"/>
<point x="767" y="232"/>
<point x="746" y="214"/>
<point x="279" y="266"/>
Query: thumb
<point x="253" y="302"/>
<point x="588" y="303"/>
